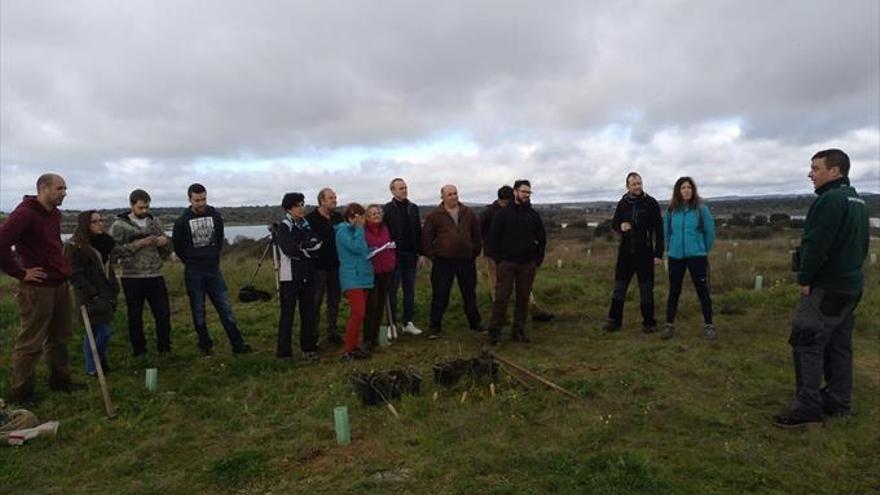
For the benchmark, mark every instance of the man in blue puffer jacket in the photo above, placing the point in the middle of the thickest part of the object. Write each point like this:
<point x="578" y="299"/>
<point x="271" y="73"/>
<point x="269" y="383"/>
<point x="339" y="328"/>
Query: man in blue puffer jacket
<point x="689" y="230"/>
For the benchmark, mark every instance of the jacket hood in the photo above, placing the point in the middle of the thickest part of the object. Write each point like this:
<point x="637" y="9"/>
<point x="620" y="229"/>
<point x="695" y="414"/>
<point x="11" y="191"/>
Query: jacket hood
<point x="31" y="202"/>
<point x="124" y="215"/>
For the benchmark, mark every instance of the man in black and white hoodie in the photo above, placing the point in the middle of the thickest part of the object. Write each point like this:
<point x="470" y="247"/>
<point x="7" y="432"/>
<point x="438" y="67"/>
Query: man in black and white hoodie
<point x="198" y="239"/>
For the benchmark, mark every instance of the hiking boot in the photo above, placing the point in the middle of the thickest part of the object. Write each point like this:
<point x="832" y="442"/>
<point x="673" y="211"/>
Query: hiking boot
<point x="611" y="326"/>
<point x="360" y="354"/>
<point x="520" y="336"/>
<point x="67" y="387"/>
<point x="788" y="420"/>
<point x="242" y="349"/>
<point x="649" y="328"/>
<point x="543" y="316"/>
<point x="411" y="329"/>
<point x="709" y="332"/>
<point x="668" y="331"/>
<point x="311" y="358"/>
<point x="434" y="333"/>
<point x="26" y="400"/>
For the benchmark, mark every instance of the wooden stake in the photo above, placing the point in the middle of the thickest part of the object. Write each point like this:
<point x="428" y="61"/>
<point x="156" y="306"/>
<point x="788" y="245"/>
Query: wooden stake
<point x="530" y="374"/>
<point x="108" y="405"/>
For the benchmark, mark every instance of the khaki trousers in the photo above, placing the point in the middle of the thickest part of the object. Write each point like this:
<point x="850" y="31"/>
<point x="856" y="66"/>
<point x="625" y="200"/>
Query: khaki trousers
<point x="46" y="327"/>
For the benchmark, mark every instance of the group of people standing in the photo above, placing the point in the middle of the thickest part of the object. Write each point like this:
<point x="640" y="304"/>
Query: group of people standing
<point x="686" y="230"/>
<point x="367" y="254"/>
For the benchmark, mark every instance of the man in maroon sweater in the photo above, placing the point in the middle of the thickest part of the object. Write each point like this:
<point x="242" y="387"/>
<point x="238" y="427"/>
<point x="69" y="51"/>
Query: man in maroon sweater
<point x="34" y="228"/>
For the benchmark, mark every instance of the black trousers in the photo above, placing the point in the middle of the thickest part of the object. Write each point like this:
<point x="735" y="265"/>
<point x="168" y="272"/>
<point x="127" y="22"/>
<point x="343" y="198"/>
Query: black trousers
<point x="291" y="293"/>
<point x="443" y="271"/>
<point x="821" y="344"/>
<point x="641" y="264"/>
<point x="327" y="282"/>
<point x="377" y="297"/>
<point x="153" y="291"/>
<point x="699" y="270"/>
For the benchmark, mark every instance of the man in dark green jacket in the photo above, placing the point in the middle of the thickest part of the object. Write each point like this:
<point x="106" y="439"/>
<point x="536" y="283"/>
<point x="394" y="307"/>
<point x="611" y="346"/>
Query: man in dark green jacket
<point x="833" y="248"/>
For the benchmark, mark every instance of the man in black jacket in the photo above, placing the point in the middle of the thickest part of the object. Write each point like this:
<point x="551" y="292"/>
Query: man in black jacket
<point x="198" y="239"/>
<point x="516" y="242"/>
<point x="402" y="218"/>
<point x="505" y="197"/>
<point x="299" y="247"/>
<point x="638" y="221"/>
<point x="322" y="221"/>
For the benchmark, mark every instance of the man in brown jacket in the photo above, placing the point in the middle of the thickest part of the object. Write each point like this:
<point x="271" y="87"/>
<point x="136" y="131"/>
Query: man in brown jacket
<point x="34" y="228"/>
<point x="451" y="238"/>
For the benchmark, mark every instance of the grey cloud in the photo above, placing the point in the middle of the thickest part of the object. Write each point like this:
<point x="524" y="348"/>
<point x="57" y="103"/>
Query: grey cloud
<point x="86" y="85"/>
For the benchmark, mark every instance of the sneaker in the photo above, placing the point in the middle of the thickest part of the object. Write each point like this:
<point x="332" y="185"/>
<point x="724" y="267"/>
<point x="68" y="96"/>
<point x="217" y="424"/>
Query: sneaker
<point x="668" y="331"/>
<point x="434" y="333"/>
<point x="334" y="339"/>
<point x="611" y="326"/>
<point x="543" y="316"/>
<point x="520" y="336"/>
<point x="411" y="329"/>
<point x="649" y="328"/>
<point x="242" y="349"/>
<point x="311" y="357"/>
<point x="709" y="332"/>
<point x="787" y="420"/>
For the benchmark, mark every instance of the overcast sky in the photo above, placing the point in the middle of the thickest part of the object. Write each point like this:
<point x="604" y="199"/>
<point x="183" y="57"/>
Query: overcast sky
<point x="255" y="98"/>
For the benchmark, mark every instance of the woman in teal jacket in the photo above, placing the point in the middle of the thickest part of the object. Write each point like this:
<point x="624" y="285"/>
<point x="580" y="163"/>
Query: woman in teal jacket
<point x="355" y="275"/>
<point x="690" y="232"/>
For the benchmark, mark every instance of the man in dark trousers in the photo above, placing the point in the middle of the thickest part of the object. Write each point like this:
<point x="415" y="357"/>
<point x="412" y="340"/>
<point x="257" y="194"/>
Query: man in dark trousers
<point x="322" y="220"/>
<point x="299" y="247"/>
<point x="198" y="239"/>
<point x="141" y="248"/>
<point x="451" y="238"/>
<point x="517" y="241"/>
<point x="505" y="197"/>
<point x="34" y="228"/>
<point x="638" y="220"/>
<point x="403" y="221"/>
<point x="834" y="244"/>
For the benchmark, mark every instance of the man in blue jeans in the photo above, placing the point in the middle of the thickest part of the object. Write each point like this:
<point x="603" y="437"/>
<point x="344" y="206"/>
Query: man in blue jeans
<point x="402" y="218"/>
<point x="198" y="239"/>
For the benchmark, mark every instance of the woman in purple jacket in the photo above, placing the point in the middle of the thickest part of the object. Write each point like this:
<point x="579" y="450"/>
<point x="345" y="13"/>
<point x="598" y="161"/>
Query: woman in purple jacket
<point x="384" y="260"/>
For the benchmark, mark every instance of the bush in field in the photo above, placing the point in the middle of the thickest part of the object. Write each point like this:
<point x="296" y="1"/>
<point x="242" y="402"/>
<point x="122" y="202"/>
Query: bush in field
<point x="780" y="220"/>
<point x="740" y="219"/>
<point x="759" y="220"/>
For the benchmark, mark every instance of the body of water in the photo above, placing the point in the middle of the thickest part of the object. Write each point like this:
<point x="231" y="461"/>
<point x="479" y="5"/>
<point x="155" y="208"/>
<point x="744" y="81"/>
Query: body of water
<point x="254" y="232"/>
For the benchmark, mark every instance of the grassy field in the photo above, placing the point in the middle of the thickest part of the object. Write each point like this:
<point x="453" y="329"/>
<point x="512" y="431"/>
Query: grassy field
<point x="682" y="416"/>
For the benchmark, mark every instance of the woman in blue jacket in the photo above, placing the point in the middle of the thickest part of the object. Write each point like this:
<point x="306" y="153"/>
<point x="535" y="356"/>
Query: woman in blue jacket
<point x="690" y="232"/>
<point x="355" y="275"/>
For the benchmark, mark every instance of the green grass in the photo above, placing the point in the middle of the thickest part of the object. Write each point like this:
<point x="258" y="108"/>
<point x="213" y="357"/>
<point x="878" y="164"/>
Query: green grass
<point x="683" y="416"/>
